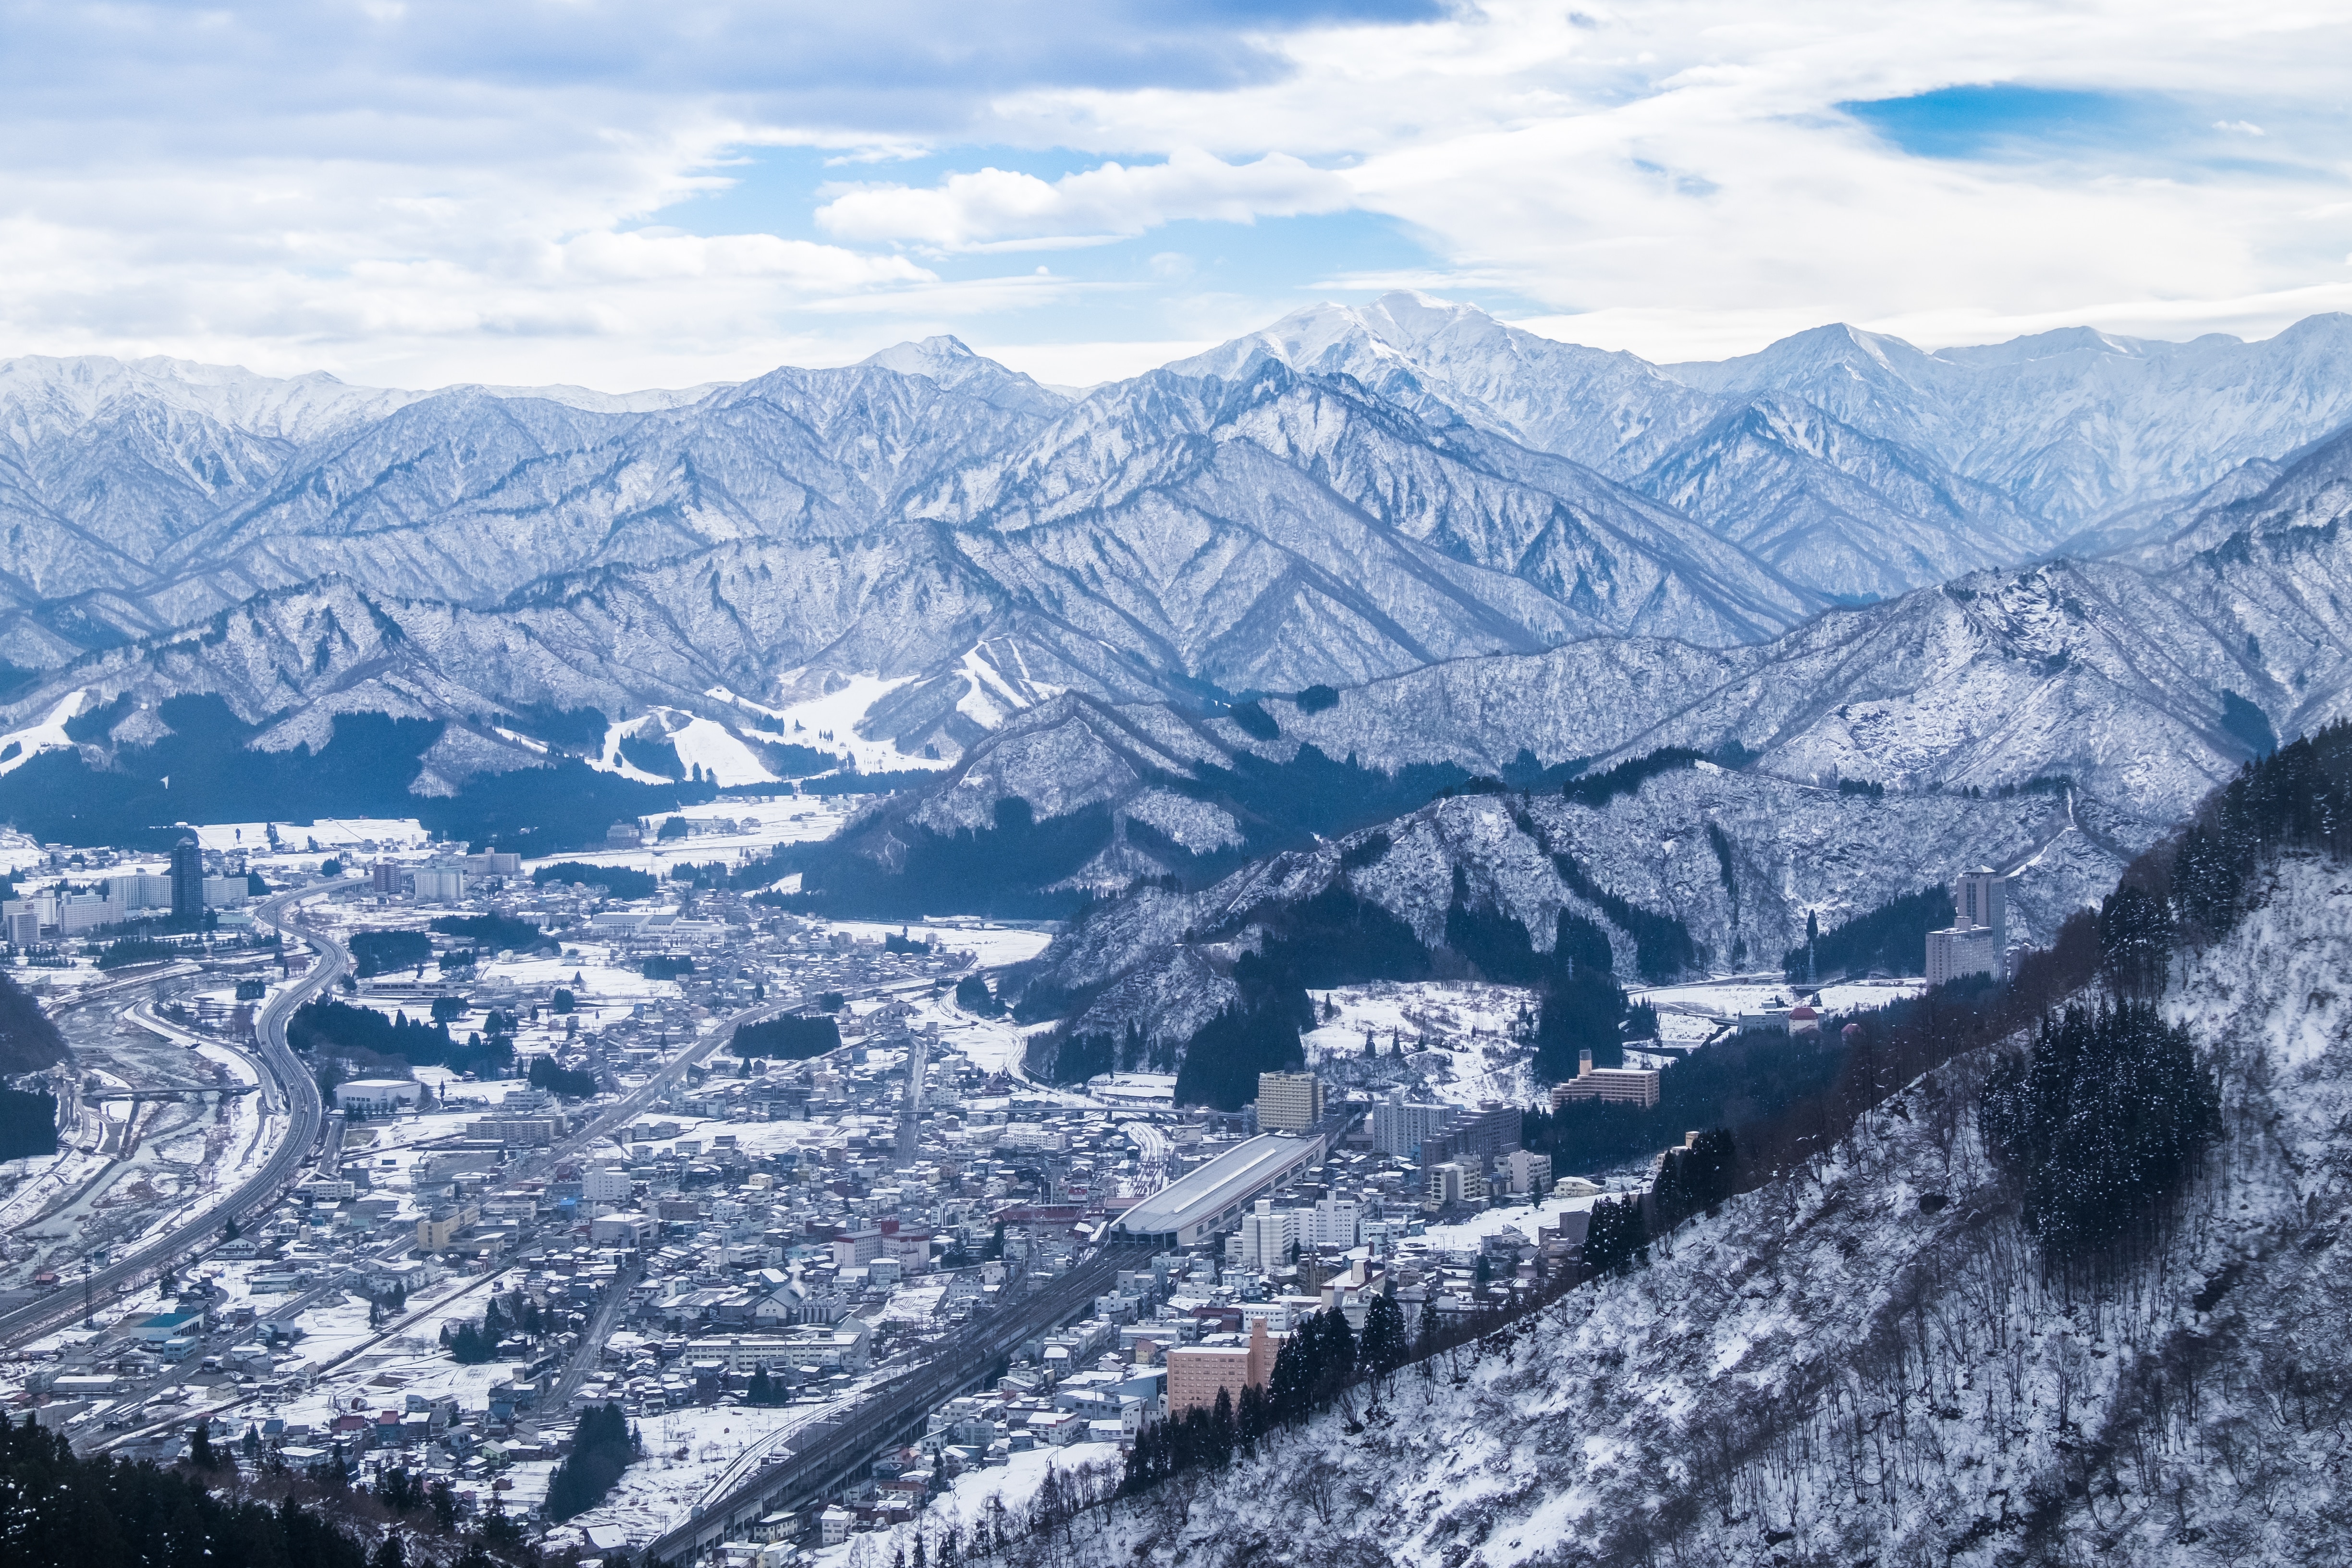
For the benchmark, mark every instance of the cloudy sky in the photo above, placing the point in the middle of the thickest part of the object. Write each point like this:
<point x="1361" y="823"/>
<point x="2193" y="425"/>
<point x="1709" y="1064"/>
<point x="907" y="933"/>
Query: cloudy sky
<point x="623" y="193"/>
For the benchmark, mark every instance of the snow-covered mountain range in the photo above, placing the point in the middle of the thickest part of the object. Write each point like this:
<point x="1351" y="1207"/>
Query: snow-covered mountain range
<point x="1490" y="541"/>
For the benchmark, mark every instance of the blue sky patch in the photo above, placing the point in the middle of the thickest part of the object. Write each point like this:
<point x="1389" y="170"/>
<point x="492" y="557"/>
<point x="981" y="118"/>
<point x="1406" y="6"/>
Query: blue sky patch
<point x="2006" y="121"/>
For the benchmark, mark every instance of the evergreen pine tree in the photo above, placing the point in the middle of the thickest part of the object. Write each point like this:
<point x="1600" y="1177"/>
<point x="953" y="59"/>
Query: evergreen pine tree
<point x="1383" y="1349"/>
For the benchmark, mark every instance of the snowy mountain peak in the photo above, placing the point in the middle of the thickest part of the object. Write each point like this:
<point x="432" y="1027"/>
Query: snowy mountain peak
<point x="1792" y="360"/>
<point x="950" y="362"/>
<point x="2087" y="340"/>
<point x="943" y="353"/>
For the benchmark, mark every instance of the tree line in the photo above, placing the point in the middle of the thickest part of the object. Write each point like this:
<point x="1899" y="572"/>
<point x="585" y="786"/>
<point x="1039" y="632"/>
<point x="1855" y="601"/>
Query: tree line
<point x="338" y="1026"/>
<point x="601" y="1447"/>
<point x="1318" y="1364"/>
<point x="61" y="1511"/>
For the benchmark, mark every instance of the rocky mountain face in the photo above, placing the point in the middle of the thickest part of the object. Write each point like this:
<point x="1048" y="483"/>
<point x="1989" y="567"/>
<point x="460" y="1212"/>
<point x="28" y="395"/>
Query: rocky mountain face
<point x="1857" y="516"/>
<point x="1278" y="530"/>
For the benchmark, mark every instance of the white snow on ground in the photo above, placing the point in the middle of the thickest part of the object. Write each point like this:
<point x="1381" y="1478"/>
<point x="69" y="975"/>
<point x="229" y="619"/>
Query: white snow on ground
<point x="325" y="835"/>
<point x="837" y="713"/>
<point x="45" y="1181"/>
<point x="966" y="1501"/>
<point x="992" y="946"/>
<point x="1723" y="999"/>
<point x="721" y="754"/>
<point x="1465" y="1236"/>
<point x="1464" y="1026"/>
<point x="611" y="760"/>
<point x="1859" y="994"/>
<point x="685" y="1451"/>
<point x="48" y="735"/>
<point x="780" y="819"/>
<point x="239" y="1069"/>
<point x="19" y="851"/>
<point x="992" y="1045"/>
<point x="1875" y="1378"/>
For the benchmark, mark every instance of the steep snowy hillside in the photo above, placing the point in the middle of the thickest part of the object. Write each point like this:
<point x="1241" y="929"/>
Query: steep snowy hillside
<point x="2143" y="533"/>
<point x="2309" y="489"/>
<point x="1855" y="516"/>
<point x="1866" y="1360"/>
<point x="1248" y="528"/>
<point x="1392" y="499"/>
<point x="2122" y="680"/>
<point x="111" y="471"/>
<point x="1733" y="862"/>
<point x="466" y="497"/>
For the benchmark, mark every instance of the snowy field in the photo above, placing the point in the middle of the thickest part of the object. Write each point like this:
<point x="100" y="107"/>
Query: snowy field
<point x="1723" y="999"/>
<point x="1457" y="1033"/>
<point x="688" y="1451"/>
<point x="991" y="946"/>
<point x="992" y="1045"/>
<point x="756" y="826"/>
<point x="967" y="1501"/>
<point x="1467" y="1236"/>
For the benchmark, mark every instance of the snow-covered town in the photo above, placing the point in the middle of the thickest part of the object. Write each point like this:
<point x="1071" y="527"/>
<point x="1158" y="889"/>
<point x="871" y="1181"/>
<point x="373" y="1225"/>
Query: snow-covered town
<point x="610" y="1130"/>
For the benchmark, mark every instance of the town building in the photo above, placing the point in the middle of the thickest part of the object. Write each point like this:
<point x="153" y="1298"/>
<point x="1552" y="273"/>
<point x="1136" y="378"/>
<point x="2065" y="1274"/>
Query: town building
<point x="1289" y="1101"/>
<point x="1977" y="942"/>
<point x="1332" y="1222"/>
<point x="1399" y="1128"/>
<point x="188" y="880"/>
<point x="1610" y="1086"/>
<point x="445" y="1225"/>
<point x="78" y="912"/>
<point x="376" y="1096"/>
<point x="604" y="1184"/>
<point x="1265" y="1237"/>
<point x="1453" y="1181"/>
<point x="438" y="884"/>
<point x="1523" y="1171"/>
<point x="1208" y="1202"/>
<point x="140" y="890"/>
<point x="1198" y="1373"/>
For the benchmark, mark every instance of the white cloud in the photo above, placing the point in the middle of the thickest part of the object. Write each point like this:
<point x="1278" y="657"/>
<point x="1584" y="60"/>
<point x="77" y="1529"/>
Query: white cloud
<point x="428" y="190"/>
<point x="1087" y="364"/>
<point x="998" y="206"/>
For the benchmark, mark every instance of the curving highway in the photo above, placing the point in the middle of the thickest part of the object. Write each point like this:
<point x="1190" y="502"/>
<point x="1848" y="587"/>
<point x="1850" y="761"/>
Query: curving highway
<point x="290" y="1088"/>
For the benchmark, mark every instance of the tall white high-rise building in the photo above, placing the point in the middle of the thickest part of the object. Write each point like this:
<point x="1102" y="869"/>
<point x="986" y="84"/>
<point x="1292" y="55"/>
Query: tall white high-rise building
<point x="1265" y="1237"/>
<point x="1977" y="942"/>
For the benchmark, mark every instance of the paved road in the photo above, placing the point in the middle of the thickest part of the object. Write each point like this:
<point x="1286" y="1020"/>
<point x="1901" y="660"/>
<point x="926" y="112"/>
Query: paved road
<point x="827" y="1450"/>
<point x="591" y="1349"/>
<point x="290" y="1088"/>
